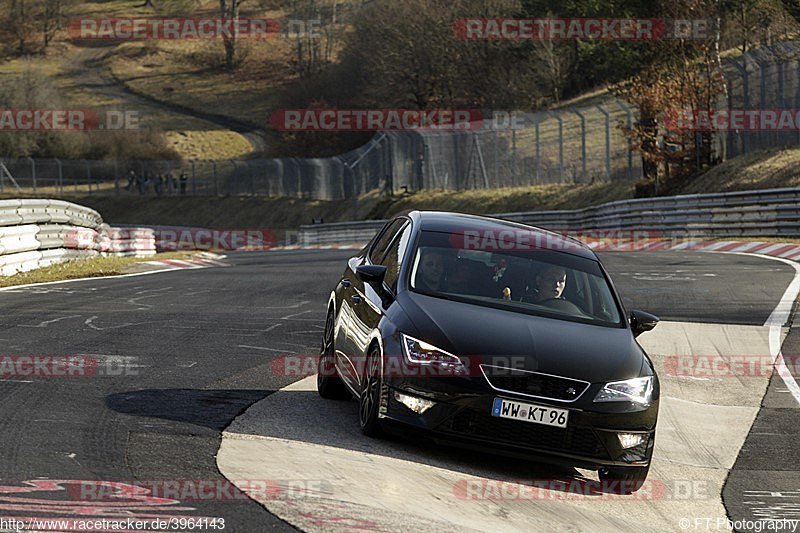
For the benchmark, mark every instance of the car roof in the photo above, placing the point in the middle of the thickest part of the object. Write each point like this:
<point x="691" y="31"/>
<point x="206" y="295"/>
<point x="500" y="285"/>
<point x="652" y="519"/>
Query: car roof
<point x="448" y="222"/>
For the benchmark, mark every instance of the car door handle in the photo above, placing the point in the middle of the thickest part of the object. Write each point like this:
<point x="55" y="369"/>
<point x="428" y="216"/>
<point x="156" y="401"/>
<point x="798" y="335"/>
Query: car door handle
<point x="356" y="299"/>
<point x="345" y="283"/>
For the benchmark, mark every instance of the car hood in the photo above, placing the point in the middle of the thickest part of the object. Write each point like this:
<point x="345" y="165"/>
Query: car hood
<point x="505" y="338"/>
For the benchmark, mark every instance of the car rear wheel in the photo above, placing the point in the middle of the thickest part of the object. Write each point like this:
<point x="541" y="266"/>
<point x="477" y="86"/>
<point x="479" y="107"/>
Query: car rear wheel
<point x="623" y="480"/>
<point x="329" y="384"/>
<point x="369" y="402"/>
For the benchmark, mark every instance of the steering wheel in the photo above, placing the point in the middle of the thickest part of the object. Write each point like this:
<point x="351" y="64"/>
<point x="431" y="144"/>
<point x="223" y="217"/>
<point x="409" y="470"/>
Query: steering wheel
<point x="561" y="304"/>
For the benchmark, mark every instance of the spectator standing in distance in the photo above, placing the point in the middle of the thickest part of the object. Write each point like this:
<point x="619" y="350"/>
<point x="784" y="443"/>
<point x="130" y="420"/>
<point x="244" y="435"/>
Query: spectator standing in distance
<point x="169" y="182"/>
<point x="184" y="180"/>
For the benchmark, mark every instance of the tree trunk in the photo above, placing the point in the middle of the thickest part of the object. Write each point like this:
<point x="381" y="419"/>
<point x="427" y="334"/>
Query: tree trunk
<point x="229" y="9"/>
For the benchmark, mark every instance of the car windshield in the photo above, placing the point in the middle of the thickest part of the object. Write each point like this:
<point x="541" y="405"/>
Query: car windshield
<point x="541" y="282"/>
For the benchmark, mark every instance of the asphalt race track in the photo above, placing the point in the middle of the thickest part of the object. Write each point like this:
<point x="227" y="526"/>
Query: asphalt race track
<point x="180" y="355"/>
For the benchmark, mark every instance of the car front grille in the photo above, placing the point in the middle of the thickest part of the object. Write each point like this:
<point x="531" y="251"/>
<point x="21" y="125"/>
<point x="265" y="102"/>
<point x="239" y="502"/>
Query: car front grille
<point x="577" y="441"/>
<point x="534" y="384"/>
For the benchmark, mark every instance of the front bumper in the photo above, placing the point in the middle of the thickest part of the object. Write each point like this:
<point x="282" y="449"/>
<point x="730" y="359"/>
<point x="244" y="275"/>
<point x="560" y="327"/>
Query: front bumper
<point x="589" y="440"/>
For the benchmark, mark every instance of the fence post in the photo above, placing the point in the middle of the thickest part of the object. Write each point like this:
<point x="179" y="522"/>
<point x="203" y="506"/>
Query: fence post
<point x="560" y="145"/>
<point x="216" y="182"/>
<point x="762" y="96"/>
<point x="514" y="180"/>
<point x="745" y="94"/>
<point x="481" y="161"/>
<point x="583" y="142"/>
<point x="625" y="107"/>
<point x="60" y="176"/>
<point x="781" y="101"/>
<point x="797" y="95"/>
<point x="495" y="160"/>
<point x="194" y="178"/>
<point x="252" y="178"/>
<point x="116" y="177"/>
<point x="235" y="176"/>
<point x="538" y="151"/>
<point x="88" y="175"/>
<point x="608" y="140"/>
<point x="296" y="162"/>
<point x="33" y="172"/>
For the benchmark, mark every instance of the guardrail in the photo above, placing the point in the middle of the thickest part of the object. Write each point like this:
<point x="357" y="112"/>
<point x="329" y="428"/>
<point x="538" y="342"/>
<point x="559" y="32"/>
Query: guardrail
<point x="39" y="233"/>
<point x="761" y="213"/>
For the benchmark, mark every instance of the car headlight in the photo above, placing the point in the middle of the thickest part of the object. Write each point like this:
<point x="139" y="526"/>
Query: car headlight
<point x="637" y="390"/>
<point x="422" y="353"/>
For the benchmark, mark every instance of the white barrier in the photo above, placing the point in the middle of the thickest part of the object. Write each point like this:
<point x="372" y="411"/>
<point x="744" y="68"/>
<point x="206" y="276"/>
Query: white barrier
<point x="38" y="233"/>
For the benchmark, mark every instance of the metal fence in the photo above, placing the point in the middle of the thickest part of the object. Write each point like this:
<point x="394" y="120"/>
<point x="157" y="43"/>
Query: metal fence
<point x="759" y="213"/>
<point x="330" y="178"/>
<point x="764" y="78"/>
<point x="570" y="145"/>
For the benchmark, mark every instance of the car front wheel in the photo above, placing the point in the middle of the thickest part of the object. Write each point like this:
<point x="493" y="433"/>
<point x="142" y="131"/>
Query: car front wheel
<point x="623" y="480"/>
<point x="329" y="384"/>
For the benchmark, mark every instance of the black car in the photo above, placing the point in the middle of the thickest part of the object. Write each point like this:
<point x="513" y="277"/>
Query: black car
<point x="495" y="336"/>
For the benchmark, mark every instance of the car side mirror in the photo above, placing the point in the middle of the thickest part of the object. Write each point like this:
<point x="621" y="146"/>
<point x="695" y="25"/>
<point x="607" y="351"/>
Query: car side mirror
<point x="641" y="322"/>
<point x="371" y="274"/>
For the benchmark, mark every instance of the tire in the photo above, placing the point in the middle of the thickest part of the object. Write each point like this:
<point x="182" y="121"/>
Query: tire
<point x="329" y="384"/>
<point x="369" y="400"/>
<point x="625" y="479"/>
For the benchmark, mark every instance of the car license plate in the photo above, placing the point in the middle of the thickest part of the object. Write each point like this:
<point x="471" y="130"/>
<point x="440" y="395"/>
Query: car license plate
<point x="528" y="412"/>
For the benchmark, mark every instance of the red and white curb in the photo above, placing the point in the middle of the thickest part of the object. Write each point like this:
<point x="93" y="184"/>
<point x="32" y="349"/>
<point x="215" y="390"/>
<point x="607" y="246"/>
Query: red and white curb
<point x="290" y="247"/>
<point x="202" y="260"/>
<point x="785" y="250"/>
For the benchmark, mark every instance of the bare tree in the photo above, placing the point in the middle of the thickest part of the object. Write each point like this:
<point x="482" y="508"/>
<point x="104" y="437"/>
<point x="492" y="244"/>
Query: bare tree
<point x="21" y="24"/>
<point x="51" y="20"/>
<point x="230" y="9"/>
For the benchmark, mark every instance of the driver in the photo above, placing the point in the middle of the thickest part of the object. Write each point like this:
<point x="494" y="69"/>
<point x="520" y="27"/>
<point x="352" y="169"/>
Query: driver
<point x="431" y="270"/>
<point x="549" y="285"/>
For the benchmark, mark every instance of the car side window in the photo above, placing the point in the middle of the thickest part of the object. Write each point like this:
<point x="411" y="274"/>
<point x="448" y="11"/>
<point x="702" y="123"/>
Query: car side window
<point x="395" y="254"/>
<point x="385" y="238"/>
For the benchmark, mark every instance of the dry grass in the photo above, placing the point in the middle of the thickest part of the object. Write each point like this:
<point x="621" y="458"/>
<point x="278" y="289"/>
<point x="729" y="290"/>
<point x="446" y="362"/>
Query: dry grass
<point x="178" y="73"/>
<point x="534" y="198"/>
<point x="210" y="144"/>
<point x="84" y="268"/>
<point x="192" y="138"/>
<point x="766" y="169"/>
